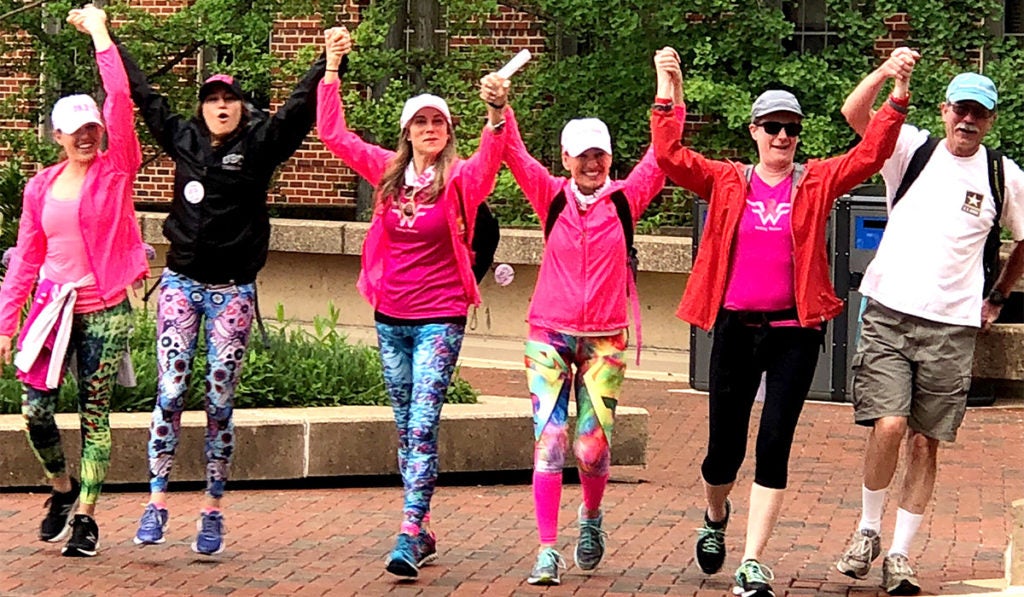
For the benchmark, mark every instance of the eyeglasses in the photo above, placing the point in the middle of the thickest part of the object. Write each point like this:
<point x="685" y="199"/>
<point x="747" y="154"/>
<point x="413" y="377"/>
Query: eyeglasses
<point x="773" y="128"/>
<point x="977" y="111"/>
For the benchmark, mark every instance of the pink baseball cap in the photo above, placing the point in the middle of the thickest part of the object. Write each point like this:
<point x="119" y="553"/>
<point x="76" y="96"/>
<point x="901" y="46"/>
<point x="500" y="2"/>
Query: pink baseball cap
<point x="220" y="80"/>
<point x="73" y="112"/>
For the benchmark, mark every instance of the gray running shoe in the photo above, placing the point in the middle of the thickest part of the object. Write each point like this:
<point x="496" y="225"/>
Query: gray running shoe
<point x="863" y="549"/>
<point x="590" y="548"/>
<point x="547" y="569"/>
<point x="898" y="577"/>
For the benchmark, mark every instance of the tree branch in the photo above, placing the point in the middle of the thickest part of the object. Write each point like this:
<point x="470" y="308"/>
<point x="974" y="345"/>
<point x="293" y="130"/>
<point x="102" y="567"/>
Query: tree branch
<point x="178" y="58"/>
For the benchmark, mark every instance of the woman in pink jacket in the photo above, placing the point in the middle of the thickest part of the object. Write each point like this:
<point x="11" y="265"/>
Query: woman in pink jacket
<point x="78" y="235"/>
<point x="416" y="272"/>
<point x="578" y="318"/>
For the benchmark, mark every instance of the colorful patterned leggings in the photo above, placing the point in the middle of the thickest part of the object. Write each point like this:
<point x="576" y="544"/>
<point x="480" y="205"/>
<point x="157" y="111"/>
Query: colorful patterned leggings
<point x="99" y="341"/>
<point x="600" y="370"/>
<point x="418" y="362"/>
<point x="227" y="311"/>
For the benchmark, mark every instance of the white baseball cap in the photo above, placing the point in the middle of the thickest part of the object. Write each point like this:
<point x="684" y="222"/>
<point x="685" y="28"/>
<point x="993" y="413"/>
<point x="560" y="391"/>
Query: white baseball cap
<point x="584" y="133"/>
<point x="73" y="112"/>
<point x="426" y="100"/>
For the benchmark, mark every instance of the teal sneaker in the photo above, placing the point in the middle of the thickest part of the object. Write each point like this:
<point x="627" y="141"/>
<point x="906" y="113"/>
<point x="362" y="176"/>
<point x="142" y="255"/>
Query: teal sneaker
<point x="402" y="561"/>
<point x="752" y="578"/>
<point x="547" y="569"/>
<point x="590" y="548"/>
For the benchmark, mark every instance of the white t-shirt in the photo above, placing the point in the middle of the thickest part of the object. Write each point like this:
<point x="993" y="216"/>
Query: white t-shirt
<point x="929" y="263"/>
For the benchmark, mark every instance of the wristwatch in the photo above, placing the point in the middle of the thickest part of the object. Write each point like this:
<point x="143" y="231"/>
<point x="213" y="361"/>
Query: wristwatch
<point x="996" y="297"/>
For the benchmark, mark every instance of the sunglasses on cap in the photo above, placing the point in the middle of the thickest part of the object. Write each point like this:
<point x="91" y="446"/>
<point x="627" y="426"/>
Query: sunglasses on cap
<point x="772" y="127"/>
<point x="979" y="112"/>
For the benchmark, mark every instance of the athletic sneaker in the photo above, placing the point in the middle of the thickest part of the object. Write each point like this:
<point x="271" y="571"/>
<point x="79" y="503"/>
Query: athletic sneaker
<point x="152" y="526"/>
<point x="210" y="539"/>
<point x="425" y="548"/>
<point x="85" y="538"/>
<point x="547" y="569"/>
<point x="402" y="561"/>
<point x="752" y="578"/>
<point x="59" y="508"/>
<point x="863" y="549"/>
<point x="590" y="548"/>
<point x="711" y="542"/>
<point x="898" y="577"/>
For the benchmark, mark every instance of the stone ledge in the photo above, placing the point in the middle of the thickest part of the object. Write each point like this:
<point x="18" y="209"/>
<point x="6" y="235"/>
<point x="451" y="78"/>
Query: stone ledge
<point x="666" y="254"/>
<point x="493" y="435"/>
<point x="999" y="353"/>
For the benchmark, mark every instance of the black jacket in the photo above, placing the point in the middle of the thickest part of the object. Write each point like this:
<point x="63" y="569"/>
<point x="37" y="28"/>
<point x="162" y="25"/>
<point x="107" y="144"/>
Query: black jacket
<point x="218" y="226"/>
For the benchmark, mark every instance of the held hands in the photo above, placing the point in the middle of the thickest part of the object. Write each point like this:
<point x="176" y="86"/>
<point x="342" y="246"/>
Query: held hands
<point x="5" y="350"/>
<point x="88" y="19"/>
<point x="899" y="66"/>
<point x="670" y="74"/>
<point x="337" y="43"/>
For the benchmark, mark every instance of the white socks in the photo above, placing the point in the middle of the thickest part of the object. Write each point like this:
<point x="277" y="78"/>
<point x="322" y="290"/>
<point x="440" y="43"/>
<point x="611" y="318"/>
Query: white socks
<point x="871" y="508"/>
<point x="907" y="524"/>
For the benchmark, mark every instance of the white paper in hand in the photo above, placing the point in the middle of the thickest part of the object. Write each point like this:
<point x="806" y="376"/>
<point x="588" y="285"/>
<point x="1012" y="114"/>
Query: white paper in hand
<point x="515" y="64"/>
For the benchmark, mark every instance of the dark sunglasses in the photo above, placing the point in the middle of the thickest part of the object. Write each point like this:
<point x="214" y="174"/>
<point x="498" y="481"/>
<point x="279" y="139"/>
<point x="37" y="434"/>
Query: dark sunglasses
<point x="772" y="127"/>
<point x="978" y="112"/>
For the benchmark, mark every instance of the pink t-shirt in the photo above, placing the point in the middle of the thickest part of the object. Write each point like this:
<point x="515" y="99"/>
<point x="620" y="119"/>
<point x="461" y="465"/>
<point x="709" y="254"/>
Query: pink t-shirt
<point x="66" y="259"/>
<point x="421" y="277"/>
<point x="761" y="272"/>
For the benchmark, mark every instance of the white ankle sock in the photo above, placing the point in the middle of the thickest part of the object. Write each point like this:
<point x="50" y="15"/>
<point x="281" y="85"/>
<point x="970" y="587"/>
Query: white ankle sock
<point x="907" y="524"/>
<point x="872" y="503"/>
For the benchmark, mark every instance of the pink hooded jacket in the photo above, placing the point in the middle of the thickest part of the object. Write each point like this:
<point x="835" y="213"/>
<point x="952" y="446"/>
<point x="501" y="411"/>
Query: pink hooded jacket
<point x="470" y="181"/>
<point x="106" y="213"/>
<point x="581" y="286"/>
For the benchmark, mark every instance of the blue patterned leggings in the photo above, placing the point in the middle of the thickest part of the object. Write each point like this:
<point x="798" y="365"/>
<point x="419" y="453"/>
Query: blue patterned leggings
<point x="418" y="362"/>
<point x="228" y="311"/>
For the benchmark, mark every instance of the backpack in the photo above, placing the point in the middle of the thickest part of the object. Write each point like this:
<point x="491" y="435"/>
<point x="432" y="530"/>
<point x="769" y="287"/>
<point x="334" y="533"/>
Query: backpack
<point x="996" y="182"/>
<point x="486" y="234"/>
<point x="625" y="218"/>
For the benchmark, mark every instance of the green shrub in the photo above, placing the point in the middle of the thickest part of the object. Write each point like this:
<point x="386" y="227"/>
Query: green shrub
<point x="302" y="366"/>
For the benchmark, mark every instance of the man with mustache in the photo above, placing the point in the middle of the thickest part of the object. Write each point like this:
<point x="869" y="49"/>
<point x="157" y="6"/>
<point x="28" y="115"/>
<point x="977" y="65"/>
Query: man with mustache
<point x="926" y="298"/>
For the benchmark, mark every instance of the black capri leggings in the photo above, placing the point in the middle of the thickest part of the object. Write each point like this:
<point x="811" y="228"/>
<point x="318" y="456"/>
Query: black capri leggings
<point x="739" y="354"/>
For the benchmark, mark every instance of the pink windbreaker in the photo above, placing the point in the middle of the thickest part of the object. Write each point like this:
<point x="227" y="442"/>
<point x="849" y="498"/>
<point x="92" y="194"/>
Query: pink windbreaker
<point x="469" y="181"/>
<point x="106" y="214"/>
<point x="581" y="286"/>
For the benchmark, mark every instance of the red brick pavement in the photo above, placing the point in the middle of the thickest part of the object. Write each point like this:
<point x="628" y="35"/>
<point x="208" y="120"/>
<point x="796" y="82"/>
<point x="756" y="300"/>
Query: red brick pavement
<point x="332" y="541"/>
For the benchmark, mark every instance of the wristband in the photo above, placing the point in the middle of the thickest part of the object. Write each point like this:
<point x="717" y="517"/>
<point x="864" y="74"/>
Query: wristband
<point x="661" y="107"/>
<point x="330" y="70"/>
<point x="496" y="106"/>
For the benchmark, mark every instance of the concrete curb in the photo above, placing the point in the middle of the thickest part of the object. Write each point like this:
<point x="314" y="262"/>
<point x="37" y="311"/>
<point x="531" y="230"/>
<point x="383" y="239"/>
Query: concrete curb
<point x="273" y="444"/>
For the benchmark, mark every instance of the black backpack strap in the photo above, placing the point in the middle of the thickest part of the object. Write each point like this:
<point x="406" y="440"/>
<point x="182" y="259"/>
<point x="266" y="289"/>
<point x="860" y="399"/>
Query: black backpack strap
<point x="625" y="217"/>
<point x="993" y="242"/>
<point x="554" y="210"/>
<point x="917" y="163"/>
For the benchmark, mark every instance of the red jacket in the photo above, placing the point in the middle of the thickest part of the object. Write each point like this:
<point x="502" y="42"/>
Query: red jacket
<point x="724" y="185"/>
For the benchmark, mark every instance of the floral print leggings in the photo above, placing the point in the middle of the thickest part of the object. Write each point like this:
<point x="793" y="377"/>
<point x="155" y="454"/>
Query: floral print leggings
<point x="227" y="310"/>
<point x="99" y="341"/>
<point x="418" y="362"/>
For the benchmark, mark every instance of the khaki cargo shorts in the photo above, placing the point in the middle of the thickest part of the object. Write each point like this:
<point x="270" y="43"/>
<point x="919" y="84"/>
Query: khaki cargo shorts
<point x="910" y="367"/>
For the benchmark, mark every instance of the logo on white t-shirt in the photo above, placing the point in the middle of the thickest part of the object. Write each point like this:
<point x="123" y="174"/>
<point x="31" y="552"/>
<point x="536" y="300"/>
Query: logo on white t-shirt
<point x="972" y="203"/>
<point x="771" y="213"/>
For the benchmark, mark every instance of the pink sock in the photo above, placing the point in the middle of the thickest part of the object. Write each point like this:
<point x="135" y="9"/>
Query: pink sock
<point x="410" y="528"/>
<point x="210" y="510"/>
<point x="161" y="505"/>
<point x="547" y="496"/>
<point x="593" y="490"/>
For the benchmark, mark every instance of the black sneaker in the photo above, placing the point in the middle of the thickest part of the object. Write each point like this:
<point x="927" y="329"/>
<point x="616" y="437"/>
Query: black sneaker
<point x="60" y="507"/>
<point x="85" y="538"/>
<point x="711" y="542"/>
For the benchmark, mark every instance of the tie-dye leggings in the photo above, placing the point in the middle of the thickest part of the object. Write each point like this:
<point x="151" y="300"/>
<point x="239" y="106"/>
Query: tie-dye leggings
<point x="227" y="311"/>
<point x="418" y="363"/>
<point x="600" y="369"/>
<point x="99" y="341"/>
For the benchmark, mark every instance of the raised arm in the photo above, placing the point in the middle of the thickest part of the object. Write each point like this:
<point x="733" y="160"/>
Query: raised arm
<point x="122" y="143"/>
<point x="682" y="165"/>
<point x="367" y="159"/>
<point x="284" y="132"/>
<point x="481" y="169"/>
<point x="153" y="107"/>
<point x="858" y="107"/>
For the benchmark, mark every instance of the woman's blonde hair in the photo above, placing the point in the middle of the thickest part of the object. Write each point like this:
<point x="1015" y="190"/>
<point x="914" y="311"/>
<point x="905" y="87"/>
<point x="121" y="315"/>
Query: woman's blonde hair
<point x="392" y="183"/>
